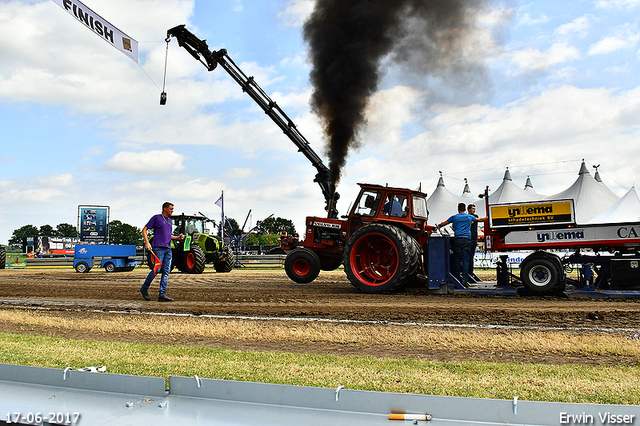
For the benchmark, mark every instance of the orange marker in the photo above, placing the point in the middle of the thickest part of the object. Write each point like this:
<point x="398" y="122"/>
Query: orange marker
<point x="399" y="416"/>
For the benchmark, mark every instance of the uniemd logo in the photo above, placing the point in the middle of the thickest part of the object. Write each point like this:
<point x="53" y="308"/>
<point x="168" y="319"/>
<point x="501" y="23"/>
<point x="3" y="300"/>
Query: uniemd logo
<point x="529" y="211"/>
<point x="560" y="235"/>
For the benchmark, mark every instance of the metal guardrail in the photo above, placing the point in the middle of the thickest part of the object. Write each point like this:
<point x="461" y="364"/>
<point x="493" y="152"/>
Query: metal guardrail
<point x="241" y="260"/>
<point x="28" y="394"/>
<point x="260" y="259"/>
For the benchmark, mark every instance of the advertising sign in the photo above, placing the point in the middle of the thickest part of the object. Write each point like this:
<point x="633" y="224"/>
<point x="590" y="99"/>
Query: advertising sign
<point x="555" y="212"/>
<point x="92" y="223"/>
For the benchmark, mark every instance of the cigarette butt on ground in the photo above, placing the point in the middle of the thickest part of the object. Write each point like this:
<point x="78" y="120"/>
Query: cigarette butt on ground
<point x="400" y="416"/>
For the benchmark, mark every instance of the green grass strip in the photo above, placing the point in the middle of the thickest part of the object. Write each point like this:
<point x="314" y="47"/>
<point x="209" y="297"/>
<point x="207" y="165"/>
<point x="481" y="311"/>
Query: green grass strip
<point x="534" y="382"/>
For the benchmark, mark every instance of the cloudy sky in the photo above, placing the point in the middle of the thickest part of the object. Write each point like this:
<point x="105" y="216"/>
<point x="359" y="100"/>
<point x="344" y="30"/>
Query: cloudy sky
<point x="81" y="122"/>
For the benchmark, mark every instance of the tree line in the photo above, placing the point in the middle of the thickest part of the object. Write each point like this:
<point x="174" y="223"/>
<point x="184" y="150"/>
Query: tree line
<point x="266" y="232"/>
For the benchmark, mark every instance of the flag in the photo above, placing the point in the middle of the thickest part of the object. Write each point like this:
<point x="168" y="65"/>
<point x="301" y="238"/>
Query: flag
<point x="156" y="262"/>
<point x="219" y="202"/>
<point x="101" y="27"/>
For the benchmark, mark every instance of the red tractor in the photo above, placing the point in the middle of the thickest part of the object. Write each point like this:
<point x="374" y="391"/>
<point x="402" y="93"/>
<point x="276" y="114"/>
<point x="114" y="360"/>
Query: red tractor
<point x="380" y="242"/>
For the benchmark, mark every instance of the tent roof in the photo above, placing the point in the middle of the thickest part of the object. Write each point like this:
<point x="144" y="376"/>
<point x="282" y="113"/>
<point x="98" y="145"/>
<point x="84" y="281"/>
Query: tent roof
<point x="442" y="204"/>
<point x="528" y="186"/>
<point x="590" y="197"/>
<point x="508" y="192"/>
<point x="466" y="192"/>
<point x="626" y="209"/>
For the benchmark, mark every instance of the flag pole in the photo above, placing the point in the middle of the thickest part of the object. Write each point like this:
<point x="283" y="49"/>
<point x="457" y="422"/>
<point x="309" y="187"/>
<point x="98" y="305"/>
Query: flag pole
<point x="222" y="217"/>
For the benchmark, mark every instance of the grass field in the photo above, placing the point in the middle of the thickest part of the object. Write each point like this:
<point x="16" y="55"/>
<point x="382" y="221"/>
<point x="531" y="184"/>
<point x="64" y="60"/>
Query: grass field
<point x="606" y="384"/>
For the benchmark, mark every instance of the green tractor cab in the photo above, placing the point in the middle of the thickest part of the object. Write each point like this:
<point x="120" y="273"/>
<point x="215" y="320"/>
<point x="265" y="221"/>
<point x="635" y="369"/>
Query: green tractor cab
<point x="199" y="247"/>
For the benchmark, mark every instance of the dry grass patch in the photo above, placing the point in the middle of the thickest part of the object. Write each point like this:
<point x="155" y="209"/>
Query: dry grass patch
<point x="194" y="329"/>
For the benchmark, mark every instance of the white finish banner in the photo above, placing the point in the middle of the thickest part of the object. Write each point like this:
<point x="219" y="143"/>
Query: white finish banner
<point x="101" y="27"/>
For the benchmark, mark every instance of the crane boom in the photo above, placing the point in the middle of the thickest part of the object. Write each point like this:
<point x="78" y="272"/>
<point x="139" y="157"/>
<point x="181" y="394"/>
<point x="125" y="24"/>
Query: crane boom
<point x="211" y="59"/>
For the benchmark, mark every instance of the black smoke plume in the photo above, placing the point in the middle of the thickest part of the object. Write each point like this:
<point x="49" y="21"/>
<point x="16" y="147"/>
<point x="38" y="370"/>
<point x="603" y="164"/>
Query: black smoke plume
<point x="348" y="39"/>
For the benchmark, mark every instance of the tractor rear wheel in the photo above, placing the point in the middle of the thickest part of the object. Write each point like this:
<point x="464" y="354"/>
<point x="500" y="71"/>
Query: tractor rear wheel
<point x="194" y="261"/>
<point x="380" y="258"/>
<point x="3" y="257"/>
<point x="302" y="265"/>
<point x="226" y="260"/>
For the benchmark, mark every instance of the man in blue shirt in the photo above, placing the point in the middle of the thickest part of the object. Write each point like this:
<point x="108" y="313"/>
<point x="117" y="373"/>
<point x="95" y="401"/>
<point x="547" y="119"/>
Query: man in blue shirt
<point x="394" y="205"/>
<point x="461" y="245"/>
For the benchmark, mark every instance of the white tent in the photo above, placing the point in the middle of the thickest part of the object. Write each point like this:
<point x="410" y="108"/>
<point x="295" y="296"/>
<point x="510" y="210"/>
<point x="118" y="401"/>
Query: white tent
<point x="509" y="192"/>
<point x="466" y="192"/>
<point x="590" y="197"/>
<point x="442" y="204"/>
<point x="626" y="209"/>
<point x="528" y="186"/>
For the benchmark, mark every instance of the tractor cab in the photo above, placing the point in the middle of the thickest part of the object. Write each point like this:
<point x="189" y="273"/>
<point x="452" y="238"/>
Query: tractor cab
<point x="401" y="207"/>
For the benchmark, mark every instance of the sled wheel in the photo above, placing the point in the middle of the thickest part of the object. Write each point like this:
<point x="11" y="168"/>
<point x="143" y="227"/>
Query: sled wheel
<point x="540" y="275"/>
<point x="109" y="267"/>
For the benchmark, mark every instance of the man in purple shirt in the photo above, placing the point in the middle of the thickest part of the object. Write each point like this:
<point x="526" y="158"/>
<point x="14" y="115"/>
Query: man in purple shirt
<point x="161" y="225"/>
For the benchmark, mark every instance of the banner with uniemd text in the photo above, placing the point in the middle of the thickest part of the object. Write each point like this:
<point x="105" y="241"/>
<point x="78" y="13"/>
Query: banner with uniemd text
<point x="101" y="27"/>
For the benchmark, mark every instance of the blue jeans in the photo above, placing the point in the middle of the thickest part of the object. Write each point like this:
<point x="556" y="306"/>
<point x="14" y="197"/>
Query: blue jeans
<point x="472" y="255"/>
<point x="460" y="268"/>
<point x="164" y="254"/>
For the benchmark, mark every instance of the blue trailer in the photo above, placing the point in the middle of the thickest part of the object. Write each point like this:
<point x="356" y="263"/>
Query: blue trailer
<point x="115" y="258"/>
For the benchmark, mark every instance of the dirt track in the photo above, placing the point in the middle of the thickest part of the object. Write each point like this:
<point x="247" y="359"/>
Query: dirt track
<point x="269" y="293"/>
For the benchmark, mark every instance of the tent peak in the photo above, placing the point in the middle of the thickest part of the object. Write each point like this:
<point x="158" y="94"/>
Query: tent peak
<point x="583" y="169"/>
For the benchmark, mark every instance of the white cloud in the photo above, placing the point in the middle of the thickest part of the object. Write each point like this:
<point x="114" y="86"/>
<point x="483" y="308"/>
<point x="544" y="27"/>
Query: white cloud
<point x="296" y="12"/>
<point x="526" y="19"/>
<point x="617" y="4"/>
<point x="149" y="163"/>
<point x="579" y="27"/>
<point x="531" y="59"/>
<point x="625" y="37"/>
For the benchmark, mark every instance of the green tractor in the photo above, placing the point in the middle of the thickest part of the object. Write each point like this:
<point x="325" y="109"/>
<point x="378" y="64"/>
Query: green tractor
<point x="199" y="247"/>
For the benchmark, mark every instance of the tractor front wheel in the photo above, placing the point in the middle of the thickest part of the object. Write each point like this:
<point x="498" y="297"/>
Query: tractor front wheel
<point x="194" y="261"/>
<point x="380" y="258"/>
<point x="302" y="265"/>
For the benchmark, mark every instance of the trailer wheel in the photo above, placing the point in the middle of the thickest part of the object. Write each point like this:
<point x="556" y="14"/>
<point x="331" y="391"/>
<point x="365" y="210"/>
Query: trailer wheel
<point x="302" y="265"/>
<point x="194" y="261"/>
<point x="540" y="275"/>
<point x="3" y="257"/>
<point x="109" y="267"/>
<point x="380" y="258"/>
<point x="226" y="260"/>
<point x="82" y="267"/>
